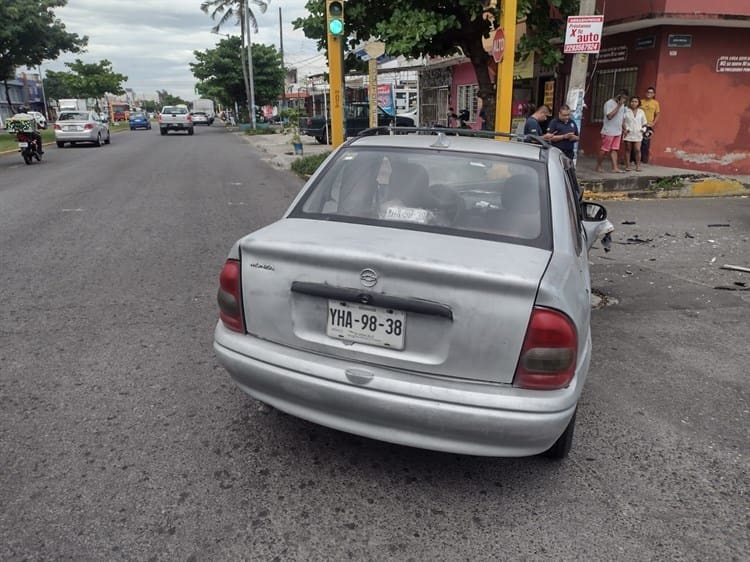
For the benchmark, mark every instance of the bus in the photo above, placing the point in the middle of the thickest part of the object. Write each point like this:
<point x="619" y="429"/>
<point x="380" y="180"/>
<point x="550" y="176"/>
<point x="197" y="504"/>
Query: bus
<point x="120" y="110"/>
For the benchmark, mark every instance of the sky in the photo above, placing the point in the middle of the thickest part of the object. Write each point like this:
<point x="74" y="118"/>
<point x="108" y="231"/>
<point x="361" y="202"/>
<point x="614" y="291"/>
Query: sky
<point x="152" y="41"/>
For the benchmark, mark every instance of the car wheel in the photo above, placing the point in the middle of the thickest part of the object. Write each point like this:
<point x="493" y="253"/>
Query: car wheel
<point x="562" y="446"/>
<point x="163" y="131"/>
<point x="98" y="141"/>
<point x="60" y="144"/>
<point x="132" y="128"/>
<point x="190" y="131"/>
<point x="108" y="139"/>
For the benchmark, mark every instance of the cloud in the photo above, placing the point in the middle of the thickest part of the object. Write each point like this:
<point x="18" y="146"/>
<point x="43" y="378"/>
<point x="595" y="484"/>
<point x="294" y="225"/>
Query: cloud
<point x="152" y="41"/>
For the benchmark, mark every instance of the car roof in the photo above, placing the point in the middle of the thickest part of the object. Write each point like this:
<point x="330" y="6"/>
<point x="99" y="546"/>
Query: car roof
<point x="480" y="145"/>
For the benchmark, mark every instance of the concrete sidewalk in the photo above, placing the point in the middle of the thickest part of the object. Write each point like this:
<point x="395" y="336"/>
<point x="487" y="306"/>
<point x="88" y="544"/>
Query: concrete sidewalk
<point x="652" y="182"/>
<point x="657" y="181"/>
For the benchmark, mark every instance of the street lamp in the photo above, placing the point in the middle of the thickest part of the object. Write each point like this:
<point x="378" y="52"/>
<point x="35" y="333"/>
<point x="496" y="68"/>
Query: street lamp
<point x="251" y="101"/>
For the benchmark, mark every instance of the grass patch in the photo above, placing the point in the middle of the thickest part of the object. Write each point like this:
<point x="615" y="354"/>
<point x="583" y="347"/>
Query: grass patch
<point x="8" y="141"/>
<point x="307" y="165"/>
<point x="668" y="184"/>
<point x="260" y="131"/>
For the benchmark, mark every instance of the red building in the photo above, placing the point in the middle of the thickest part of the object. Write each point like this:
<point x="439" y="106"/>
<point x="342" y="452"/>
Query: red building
<point x="697" y="55"/>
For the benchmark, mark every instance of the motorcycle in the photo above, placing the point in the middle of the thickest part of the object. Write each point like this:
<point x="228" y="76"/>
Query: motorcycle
<point x="29" y="146"/>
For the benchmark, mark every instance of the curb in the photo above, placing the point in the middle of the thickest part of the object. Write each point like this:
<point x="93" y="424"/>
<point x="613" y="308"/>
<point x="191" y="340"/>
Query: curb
<point x="677" y="186"/>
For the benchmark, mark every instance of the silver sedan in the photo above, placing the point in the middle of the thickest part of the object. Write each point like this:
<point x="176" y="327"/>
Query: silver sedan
<point x="81" y="126"/>
<point x="426" y="290"/>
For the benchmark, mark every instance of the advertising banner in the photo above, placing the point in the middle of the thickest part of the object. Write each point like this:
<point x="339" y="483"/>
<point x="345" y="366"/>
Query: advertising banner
<point x="385" y="98"/>
<point x="583" y="34"/>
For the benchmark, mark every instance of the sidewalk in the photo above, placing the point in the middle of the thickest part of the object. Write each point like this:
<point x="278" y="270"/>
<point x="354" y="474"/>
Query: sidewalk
<point x="652" y="182"/>
<point x="277" y="149"/>
<point x="656" y="182"/>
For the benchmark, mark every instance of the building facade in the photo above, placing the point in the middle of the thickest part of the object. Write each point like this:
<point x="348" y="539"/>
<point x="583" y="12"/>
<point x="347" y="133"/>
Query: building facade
<point x="696" y="54"/>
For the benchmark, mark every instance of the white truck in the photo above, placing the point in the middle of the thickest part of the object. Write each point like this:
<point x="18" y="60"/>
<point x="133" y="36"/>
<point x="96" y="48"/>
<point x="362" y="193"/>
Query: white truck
<point x="175" y="118"/>
<point x="71" y="104"/>
<point x="206" y="106"/>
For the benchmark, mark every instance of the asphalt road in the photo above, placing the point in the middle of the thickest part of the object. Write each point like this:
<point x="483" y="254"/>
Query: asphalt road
<point x="122" y="439"/>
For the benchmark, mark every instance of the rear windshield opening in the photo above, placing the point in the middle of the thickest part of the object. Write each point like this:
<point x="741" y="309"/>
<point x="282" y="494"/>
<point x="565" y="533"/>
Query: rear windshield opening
<point x="462" y="193"/>
<point x="73" y="117"/>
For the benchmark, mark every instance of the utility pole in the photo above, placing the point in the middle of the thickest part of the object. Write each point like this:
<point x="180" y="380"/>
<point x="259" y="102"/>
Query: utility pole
<point x="281" y="51"/>
<point x="251" y="101"/>
<point x="577" y="84"/>
<point x="336" y="38"/>
<point x="504" y="90"/>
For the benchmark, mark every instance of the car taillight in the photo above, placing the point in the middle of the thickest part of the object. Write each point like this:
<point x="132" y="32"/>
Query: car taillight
<point x="58" y="127"/>
<point x="309" y="122"/>
<point x="229" y="297"/>
<point x="189" y="119"/>
<point x="548" y="356"/>
<point x="88" y="126"/>
<point x="159" y="118"/>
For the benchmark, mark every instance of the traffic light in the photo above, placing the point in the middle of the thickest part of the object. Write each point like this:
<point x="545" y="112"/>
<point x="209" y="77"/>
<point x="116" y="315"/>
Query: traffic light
<point x="335" y="17"/>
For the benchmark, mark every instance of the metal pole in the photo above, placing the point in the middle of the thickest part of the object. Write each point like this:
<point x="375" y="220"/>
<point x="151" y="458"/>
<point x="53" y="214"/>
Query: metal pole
<point x="577" y="84"/>
<point x="504" y="91"/>
<point x="281" y="52"/>
<point x="44" y="97"/>
<point x="251" y="101"/>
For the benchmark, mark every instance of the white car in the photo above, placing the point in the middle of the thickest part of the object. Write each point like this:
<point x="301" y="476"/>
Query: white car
<point x="429" y="290"/>
<point x="81" y="126"/>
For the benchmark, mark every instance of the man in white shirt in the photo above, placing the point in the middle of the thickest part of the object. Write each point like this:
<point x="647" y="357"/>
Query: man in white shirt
<point x="614" y="111"/>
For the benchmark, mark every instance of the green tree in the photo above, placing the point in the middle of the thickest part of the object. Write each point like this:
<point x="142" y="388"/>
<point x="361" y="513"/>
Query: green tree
<point x="221" y="77"/>
<point x="57" y="85"/>
<point x="234" y="11"/>
<point x="30" y="34"/>
<point x="165" y="98"/>
<point x="93" y="80"/>
<point x="416" y="28"/>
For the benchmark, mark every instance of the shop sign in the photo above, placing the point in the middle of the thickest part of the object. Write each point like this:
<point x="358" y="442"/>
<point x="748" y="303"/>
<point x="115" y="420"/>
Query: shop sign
<point x="680" y="41"/>
<point x="733" y="63"/>
<point x="648" y="42"/>
<point x="613" y="54"/>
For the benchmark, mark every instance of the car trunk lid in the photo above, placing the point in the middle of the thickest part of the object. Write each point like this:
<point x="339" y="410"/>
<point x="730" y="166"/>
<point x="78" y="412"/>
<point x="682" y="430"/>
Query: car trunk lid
<point x="463" y="303"/>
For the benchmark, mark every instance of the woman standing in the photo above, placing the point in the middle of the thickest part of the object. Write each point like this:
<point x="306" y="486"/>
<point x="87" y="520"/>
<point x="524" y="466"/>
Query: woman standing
<point x="633" y="127"/>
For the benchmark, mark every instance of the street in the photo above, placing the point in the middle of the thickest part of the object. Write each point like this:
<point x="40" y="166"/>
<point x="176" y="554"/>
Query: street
<point x="121" y="438"/>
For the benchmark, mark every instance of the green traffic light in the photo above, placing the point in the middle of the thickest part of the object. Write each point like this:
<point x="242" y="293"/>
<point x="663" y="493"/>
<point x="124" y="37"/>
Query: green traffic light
<point x="335" y="26"/>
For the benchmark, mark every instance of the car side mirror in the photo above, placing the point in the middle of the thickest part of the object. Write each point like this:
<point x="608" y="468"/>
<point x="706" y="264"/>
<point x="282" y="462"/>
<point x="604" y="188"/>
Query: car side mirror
<point x="593" y="211"/>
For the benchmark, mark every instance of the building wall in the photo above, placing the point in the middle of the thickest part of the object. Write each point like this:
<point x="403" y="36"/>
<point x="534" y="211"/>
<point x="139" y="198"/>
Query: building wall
<point x="638" y="9"/>
<point x="705" y="113"/>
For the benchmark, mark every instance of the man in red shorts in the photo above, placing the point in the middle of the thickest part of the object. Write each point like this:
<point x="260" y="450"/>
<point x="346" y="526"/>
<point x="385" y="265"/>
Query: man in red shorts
<point x="614" y="111"/>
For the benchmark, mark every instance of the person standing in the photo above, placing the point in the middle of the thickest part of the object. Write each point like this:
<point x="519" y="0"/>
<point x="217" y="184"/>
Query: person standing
<point x="650" y="107"/>
<point x="533" y="123"/>
<point x="614" y="112"/>
<point x="564" y="132"/>
<point x="634" y="125"/>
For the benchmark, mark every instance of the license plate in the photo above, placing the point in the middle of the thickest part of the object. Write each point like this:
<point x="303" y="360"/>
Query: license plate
<point x="23" y="145"/>
<point x="361" y="323"/>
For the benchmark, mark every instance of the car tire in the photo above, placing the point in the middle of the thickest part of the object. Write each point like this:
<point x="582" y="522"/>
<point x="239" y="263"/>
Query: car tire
<point x="190" y="131"/>
<point x="108" y="139"/>
<point x="560" y="449"/>
<point x="132" y="128"/>
<point x="163" y="131"/>
<point x="60" y="144"/>
<point x="98" y="141"/>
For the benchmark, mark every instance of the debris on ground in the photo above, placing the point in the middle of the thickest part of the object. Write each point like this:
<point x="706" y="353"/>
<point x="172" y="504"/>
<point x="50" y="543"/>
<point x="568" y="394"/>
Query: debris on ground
<point x="688" y="235"/>
<point x="628" y="222"/>
<point x="719" y="224"/>
<point x="635" y="239"/>
<point x="736" y="268"/>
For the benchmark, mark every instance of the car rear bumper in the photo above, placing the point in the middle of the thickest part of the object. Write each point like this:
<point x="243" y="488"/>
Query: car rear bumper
<point x="80" y="136"/>
<point x="176" y="126"/>
<point x="464" y="417"/>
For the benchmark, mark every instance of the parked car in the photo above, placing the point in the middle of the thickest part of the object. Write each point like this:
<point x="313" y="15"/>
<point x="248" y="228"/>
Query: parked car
<point x="139" y="120"/>
<point x="200" y="118"/>
<point x="41" y="120"/>
<point x="356" y="119"/>
<point x="81" y="126"/>
<point x="426" y="290"/>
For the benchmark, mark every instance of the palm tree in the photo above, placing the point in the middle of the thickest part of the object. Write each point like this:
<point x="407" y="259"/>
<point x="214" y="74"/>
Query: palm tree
<point x="226" y="10"/>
